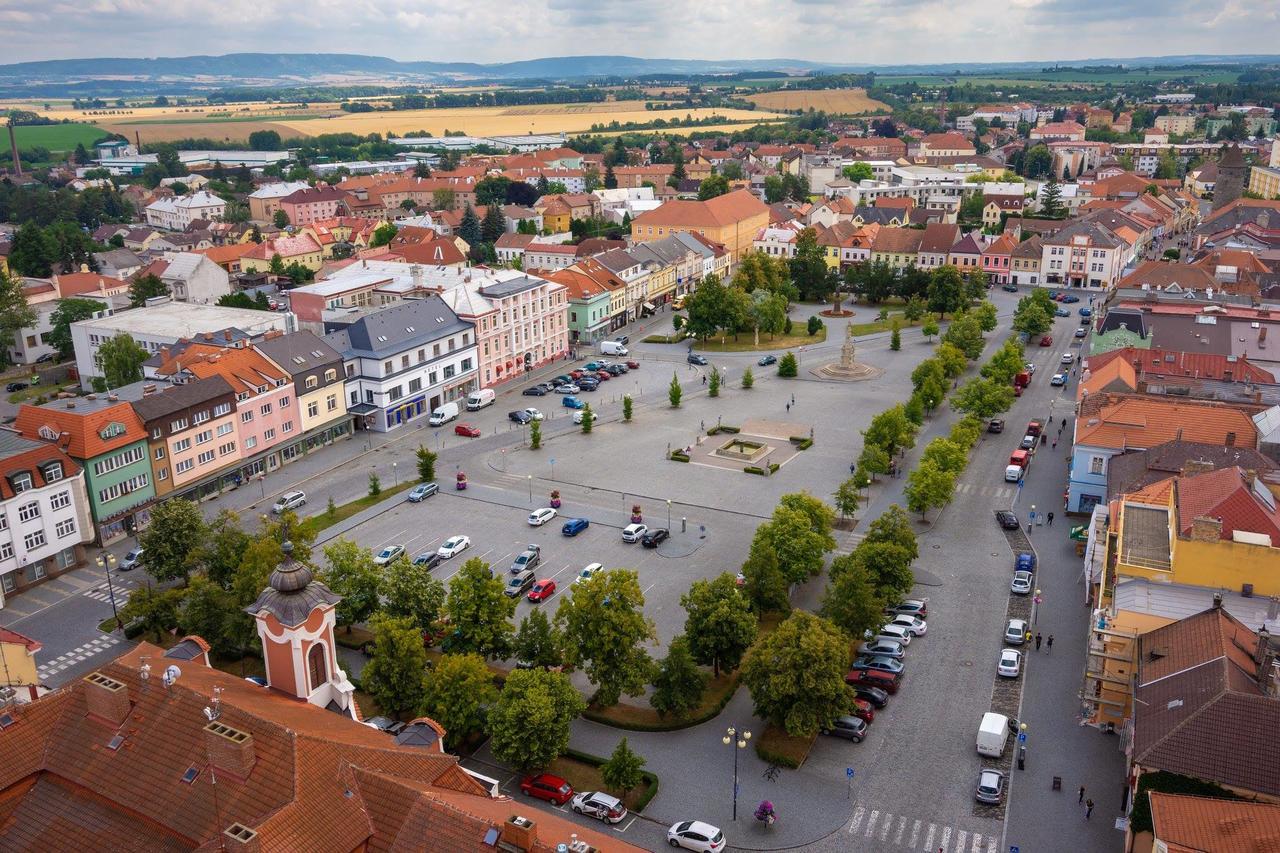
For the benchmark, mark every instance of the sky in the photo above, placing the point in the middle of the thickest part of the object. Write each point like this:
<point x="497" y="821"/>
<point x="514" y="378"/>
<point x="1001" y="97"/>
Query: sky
<point x="849" y="31"/>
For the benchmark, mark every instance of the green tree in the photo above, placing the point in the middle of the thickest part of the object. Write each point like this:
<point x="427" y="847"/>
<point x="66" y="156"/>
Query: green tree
<point x="851" y="601"/>
<point x="775" y="190"/>
<point x="965" y="333"/>
<point x="588" y="418"/>
<point x="748" y="379"/>
<point x="713" y="383"/>
<point x="610" y="179"/>
<point x="914" y="309"/>
<point x="930" y="328"/>
<point x="891" y="430"/>
<point x="535" y="435"/>
<point x="763" y="581"/>
<point x="624" y="769"/>
<point x="859" y="171"/>
<point x="396" y="674"/>
<point x="146" y="287"/>
<point x="15" y="314"/>
<point x="678" y="684"/>
<point x="529" y="722"/>
<point x="848" y="497"/>
<point x="458" y="692"/>
<point x="788" y="367"/>
<point x="800" y="550"/>
<point x="204" y="611"/>
<point x="712" y="186"/>
<point x="953" y="359"/>
<point x="382" y="235"/>
<point x="426" y="464"/>
<point x="469" y="228"/>
<point x="537" y="643"/>
<point x="796" y="674"/>
<point x="32" y="251"/>
<point x="1032" y="319"/>
<point x="408" y="590"/>
<point x="223" y="548"/>
<point x="1005" y="363"/>
<point x="809" y="268"/>
<point x="173" y="539"/>
<point x="479" y="611"/>
<point x="984" y="398"/>
<point x="264" y="140"/>
<point x="929" y="487"/>
<point x="443" y="199"/>
<point x="167" y="157"/>
<point x="353" y="575"/>
<point x="494" y="224"/>
<point x="280" y="219"/>
<point x="874" y="460"/>
<point x="1051" y="200"/>
<point x="605" y="632"/>
<point x="946" y="290"/>
<point x="719" y="624"/>
<point x="946" y="454"/>
<point x="893" y="526"/>
<point x="707" y="306"/>
<point x="986" y="315"/>
<point x="155" y="609"/>
<point x="674" y="392"/>
<point x="375" y="485"/>
<point x="914" y="409"/>
<point x="626" y="407"/>
<point x="895" y="338"/>
<point x="887" y="567"/>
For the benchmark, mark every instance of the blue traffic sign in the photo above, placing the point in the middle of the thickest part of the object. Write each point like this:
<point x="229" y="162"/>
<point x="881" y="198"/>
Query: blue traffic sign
<point x="1022" y="737"/>
<point x="848" y="772"/>
<point x="1013" y="848"/>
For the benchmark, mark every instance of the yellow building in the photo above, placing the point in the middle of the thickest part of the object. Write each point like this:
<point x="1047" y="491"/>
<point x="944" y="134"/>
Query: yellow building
<point x="18" y="669"/>
<point x="732" y="219"/>
<point x="897" y="247"/>
<point x="556" y="215"/>
<point x="1265" y="181"/>
<point x="301" y="249"/>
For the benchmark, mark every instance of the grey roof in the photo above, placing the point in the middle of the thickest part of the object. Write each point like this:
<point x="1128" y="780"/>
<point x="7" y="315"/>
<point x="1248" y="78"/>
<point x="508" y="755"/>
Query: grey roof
<point x="617" y="260"/>
<point x="117" y="258"/>
<point x="693" y="244"/>
<point x="182" y="266"/>
<point x="398" y="328"/>
<point x="507" y="287"/>
<point x="878" y="215"/>
<point x="292" y="592"/>
<point x="1032" y="247"/>
<point x="175" y="398"/>
<point x="11" y="444"/>
<point x="667" y="250"/>
<point x="1099" y="235"/>
<point x="299" y="352"/>
<point x="1129" y="472"/>
<point x="187" y="649"/>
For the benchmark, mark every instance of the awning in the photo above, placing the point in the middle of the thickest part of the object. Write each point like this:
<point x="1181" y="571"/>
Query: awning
<point x="649" y="306"/>
<point x="362" y="409"/>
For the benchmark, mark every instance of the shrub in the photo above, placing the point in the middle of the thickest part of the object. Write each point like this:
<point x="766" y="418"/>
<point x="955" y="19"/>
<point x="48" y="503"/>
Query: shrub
<point x="788" y="367"/>
<point x="678" y="456"/>
<point x="786" y="326"/>
<point x="814" y="325"/>
<point x="375" y="485"/>
<point x="801" y="442"/>
<point x="748" y="379"/>
<point x="754" y="469"/>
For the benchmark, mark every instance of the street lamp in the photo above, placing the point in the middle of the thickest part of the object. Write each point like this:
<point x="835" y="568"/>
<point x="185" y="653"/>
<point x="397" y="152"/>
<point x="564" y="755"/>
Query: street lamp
<point x="107" y="563"/>
<point x="395" y="478"/>
<point x="1035" y="607"/>
<point x="668" y="513"/>
<point x="736" y="741"/>
<point x="1022" y="747"/>
<point x="530" y="476"/>
<point x="1033" y="518"/>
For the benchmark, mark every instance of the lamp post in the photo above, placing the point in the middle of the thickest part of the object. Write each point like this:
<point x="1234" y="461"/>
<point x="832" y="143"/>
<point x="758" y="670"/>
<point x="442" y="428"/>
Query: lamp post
<point x="1022" y="746"/>
<point x="1033" y="518"/>
<point x="736" y="741"/>
<point x="530" y="476"/>
<point x="668" y="513"/>
<point x="395" y="478"/>
<point x="107" y="562"/>
<point x="1035" y="607"/>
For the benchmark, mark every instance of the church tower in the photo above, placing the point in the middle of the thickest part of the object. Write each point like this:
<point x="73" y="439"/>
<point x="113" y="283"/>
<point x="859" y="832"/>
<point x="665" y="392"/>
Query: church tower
<point x="1232" y="175"/>
<point x="295" y="620"/>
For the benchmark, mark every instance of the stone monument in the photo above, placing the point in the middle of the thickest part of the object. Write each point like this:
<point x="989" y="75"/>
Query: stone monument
<point x="848" y="370"/>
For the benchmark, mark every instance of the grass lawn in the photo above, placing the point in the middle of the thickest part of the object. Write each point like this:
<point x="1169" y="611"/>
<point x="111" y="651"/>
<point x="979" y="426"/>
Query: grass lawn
<point x="873" y="326"/>
<point x="586" y="777"/>
<point x="778" y="747"/>
<point x="645" y="718"/>
<point x="58" y="137"/>
<point x="316" y="523"/>
<point x="746" y="341"/>
<point x="34" y="391"/>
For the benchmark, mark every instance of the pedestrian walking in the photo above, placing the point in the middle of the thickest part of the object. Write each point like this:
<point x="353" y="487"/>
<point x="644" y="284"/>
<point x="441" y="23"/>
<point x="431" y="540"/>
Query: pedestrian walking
<point x="1080" y="799"/>
<point x="704" y="379"/>
<point x="1051" y="514"/>
<point x="1088" y="808"/>
<point x="793" y="399"/>
<point x="1050" y="642"/>
<point x="1037" y="641"/>
<point x="788" y="407"/>
<point x="1055" y="444"/>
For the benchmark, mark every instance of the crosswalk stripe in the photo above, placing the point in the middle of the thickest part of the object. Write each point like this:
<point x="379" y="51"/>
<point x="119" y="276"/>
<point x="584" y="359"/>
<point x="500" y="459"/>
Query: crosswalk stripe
<point x="902" y="826"/>
<point x="858" y="814"/>
<point x="977" y="843"/>
<point x="888" y="825"/>
<point x="946" y="837"/>
<point x="928" y="841"/>
<point x="915" y="834"/>
<point x="991" y="845"/>
<point x="961" y="836"/>
<point x="871" y="822"/>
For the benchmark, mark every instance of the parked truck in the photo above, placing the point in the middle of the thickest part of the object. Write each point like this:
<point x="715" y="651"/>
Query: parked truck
<point x="993" y="734"/>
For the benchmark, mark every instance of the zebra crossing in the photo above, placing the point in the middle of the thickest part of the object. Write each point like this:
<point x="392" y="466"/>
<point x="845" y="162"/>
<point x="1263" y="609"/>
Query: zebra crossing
<point x="103" y="593"/>
<point x="80" y="653"/>
<point x="986" y="491"/>
<point x="883" y="829"/>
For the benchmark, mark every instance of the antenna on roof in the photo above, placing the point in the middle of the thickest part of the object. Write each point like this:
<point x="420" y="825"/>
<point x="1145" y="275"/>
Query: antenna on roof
<point x="144" y="671"/>
<point x="213" y="710"/>
<point x="171" y="674"/>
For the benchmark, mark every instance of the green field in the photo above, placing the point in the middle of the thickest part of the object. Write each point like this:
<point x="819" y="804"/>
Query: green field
<point x="57" y="137"/>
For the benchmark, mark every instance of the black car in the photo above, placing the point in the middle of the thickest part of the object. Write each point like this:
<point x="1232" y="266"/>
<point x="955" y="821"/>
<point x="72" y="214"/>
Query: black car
<point x="16" y="386"/>
<point x="586" y="383"/>
<point x="655" y="537"/>
<point x="520" y="417"/>
<point x="694" y="358"/>
<point x="1007" y="520"/>
<point x="616" y="369"/>
<point x="535" y="391"/>
<point x="768" y="360"/>
<point x="874" y="695"/>
<point x="429" y="560"/>
<point x="46" y="358"/>
<point x="996" y="425"/>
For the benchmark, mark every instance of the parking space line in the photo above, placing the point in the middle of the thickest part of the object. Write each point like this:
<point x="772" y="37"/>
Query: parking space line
<point x="625" y="828"/>
<point x="559" y="573"/>
<point x="645" y="591"/>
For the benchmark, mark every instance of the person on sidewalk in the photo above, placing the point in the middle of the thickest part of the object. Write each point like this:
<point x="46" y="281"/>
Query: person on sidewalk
<point x="1037" y="641"/>
<point x="1049" y="642"/>
<point x="1088" y="808"/>
<point x="1051" y="514"/>
<point x="1080" y="799"/>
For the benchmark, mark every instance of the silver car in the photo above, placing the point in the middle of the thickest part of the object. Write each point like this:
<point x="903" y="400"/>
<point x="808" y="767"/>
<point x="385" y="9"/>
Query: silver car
<point x="885" y="648"/>
<point x="990" y="787"/>
<point x="1021" y="584"/>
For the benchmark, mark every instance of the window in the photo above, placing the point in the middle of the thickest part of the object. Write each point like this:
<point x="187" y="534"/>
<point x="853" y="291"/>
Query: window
<point x="200" y="417"/>
<point x="221" y="409"/>
<point x="4" y="521"/>
<point x="246" y="417"/>
<point x="60" y="500"/>
<point x="251" y="442"/>
<point x="6" y="553"/>
<point x="268" y="435"/>
<point x="65" y="528"/>
<point x="224" y="429"/>
<point x="179" y="446"/>
<point x="265" y="409"/>
<point x="312" y="382"/>
<point x="1095" y="464"/>
<point x="331" y="375"/>
<point x="386" y="368"/>
<point x="448" y="371"/>
<point x="433" y="378"/>
<point x="317" y="665"/>
<point x="21" y="481"/>
<point x="331" y="402"/>
<point x="205" y="458"/>
<point x="404" y="362"/>
<point x="396" y="392"/>
<point x="415" y="385"/>
<point x="159" y="453"/>
<point x="113" y="463"/>
<point x="204" y="436"/>
<point x="26" y="512"/>
<point x="313" y="409"/>
<point x="435" y="350"/>
<point x="224" y="449"/>
<point x="466" y="364"/>
<point x="163" y="475"/>
<point x="286" y="427"/>
<point x="284" y="401"/>
<point x="33" y="540"/>
<point x="53" y="472"/>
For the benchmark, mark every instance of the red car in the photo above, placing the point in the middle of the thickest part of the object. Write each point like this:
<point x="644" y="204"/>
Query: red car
<point x="544" y="786"/>
<point x="633" y="365"/>
<point x="886" y="681"/>
<point x="542" y="590"/>
<point x="577" y="374"/>
<point x="1046" y="341"/>
<point x="604" y="375"/>
<point x="862" y="708"/>
<point x="466" y="429"/>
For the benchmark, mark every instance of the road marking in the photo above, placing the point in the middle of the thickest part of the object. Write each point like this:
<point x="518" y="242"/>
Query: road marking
<point x="946" y="837"/>
<point x="647" y="588"/>
<point x="888" y="825"/>
<point x="625" y="828"/>
<point x="991" y="846"/>
<point x="871" y="822"/>
<point x="928" y="840"/>
<point x="77" y="655"/>
<point x="961" y="836"/>
<point x="557" y="574"/>
<point x="902" y="825"/>
<point x="915" y="835"/>
<point x="858" y="814"/>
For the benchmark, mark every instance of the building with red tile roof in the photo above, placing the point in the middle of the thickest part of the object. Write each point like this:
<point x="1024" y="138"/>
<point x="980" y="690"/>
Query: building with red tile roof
<point x="1155" y="363"/>
<point x="1187" y="824"/>
<point x="732" y="219"/>
<point x="947" y="144"/>
<point x="441" y="252"/>
<point x="18" y="669"/>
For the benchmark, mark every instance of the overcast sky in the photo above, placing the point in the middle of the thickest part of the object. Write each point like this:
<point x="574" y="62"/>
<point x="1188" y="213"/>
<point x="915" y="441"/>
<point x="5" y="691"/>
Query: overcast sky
<point x="871" y="31"/>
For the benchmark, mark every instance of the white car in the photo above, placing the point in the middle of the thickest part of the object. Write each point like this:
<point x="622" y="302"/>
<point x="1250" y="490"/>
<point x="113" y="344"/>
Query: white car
<point x="1021" y="583"/>
<point x="917" y="626"/>
<point x="289" y="500"/>
<point x="580" y="415"/>
<point x="588" y="571"/>
<point x="599" y="804"/>
<point x="1058" y="379"/>
<point x="897" y="633"/>
<point x="1010" y="663"/>
<point x="539" y="517"/>
<point x="533" y="413"/>
<point x="1068" y="358"/>
<point x="696" y="835"/>
<point x="387" y="554"/>
<point x="453" y="546"/>
<point x="633" y="532"/>
<point x="1029" y="367"/>
<point x="1015" y="633"/>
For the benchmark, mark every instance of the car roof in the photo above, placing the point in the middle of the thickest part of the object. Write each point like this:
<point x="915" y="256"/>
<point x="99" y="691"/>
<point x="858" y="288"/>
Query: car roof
<point x="547" y="777"/>
<point x="602" y="797"/>
<point x="698" y="826"/>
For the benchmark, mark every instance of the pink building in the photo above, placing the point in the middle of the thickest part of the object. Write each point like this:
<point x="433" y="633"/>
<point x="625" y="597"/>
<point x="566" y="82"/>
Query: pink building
<point x="322" y="201"/>
<point x="998" y="257"/>
<point x="191" y="431"/>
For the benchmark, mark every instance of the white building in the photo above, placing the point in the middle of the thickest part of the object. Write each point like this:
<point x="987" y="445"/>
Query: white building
<point x="265" y="200"/>
<point x="178" y="212"/>
<point x="1083" y="254"/>
<point x="195" y="278"/>
<point x="44" y="512"/>
<point x="162" y="323"/>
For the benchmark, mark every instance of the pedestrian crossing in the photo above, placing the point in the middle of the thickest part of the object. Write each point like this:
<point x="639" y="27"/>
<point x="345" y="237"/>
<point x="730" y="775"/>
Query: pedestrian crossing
<point x="986" y="491"/>
<point x="103" y="593"/>
<point x="882" y="830"/>
<point x="80" y="653"/>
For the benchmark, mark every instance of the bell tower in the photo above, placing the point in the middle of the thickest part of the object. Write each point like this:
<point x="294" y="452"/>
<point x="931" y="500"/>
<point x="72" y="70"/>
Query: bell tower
<point x="295" y="620"/>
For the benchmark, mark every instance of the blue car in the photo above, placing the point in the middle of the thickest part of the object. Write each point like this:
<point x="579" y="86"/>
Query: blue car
<point x="1069" y="299"/>
<point x="1062" y="312"/>
<point x="572" y="402"/>
<point x="1025" y="562"/>
<point x="1086" y="312"/>
<point x="574" y="526"/>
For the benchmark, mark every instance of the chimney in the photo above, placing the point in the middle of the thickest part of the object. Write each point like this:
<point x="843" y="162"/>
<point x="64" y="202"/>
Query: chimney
<point x="1217" y="601"/>
<point x="241" y="839"/>
<point x="148" y="389"/>
<point x="1231" y="440"/>
<point x="1192" y="467"/>
<point x="520" y="832"/>
<point x="106" y="698"/>
<point x="164" y="354"/>
<point x="1249" y="476"/>
<point x="1206" y="529"/>
<point x="230" y="750"/>
<point x="227" y="334"/>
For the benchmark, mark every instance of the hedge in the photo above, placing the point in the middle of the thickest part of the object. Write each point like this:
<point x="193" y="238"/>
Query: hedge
<point x="801" y="442"/>
<point x="596" y="761"/>
<point x="773" y="467"/>
<point x="753" y="469"/>
<point x="715" y="430"/>
<point x="677" y="456"/>
<point x="670" y="724"/>
<point x="777" y="747"/>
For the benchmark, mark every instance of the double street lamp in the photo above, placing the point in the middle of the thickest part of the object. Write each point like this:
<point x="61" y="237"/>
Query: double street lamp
<point x="736" y="741"/>
<point x="107" y="562"/>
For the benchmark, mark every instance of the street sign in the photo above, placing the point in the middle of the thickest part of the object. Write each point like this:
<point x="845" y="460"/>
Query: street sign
<point x="1022" y="737"/>
<point x="848" y="772"/>
<point x="1013" y="848"/>
<point x="553" y="461"/>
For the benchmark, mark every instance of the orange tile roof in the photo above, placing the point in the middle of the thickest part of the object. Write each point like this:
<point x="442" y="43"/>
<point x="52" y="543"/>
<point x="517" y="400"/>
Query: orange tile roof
<point x="720" y="211"/>
<point x="83" y="428"/>
<point x="1207" y="825"/>
<point x="897" y="240"/>
<point x="1155" y="494"/>
<point x="440" y="251"/>
<point x="227" y="253"/>
<point x="9" y="636"/>
<point x="245" y="370"/>
<point x="87" y="283"/>
<point x="1165" y="362"/>
<point x="1142" y="422"/>
<point x="1114" y="374"/>
<point x="1225" y="494"/>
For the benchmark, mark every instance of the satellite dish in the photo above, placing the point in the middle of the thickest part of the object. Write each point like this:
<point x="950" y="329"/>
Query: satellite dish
<point x="171" y="674"/>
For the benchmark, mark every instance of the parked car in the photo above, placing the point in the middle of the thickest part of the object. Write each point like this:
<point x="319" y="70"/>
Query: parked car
<point x="132" y="560"/>
<point x="535" y="391"/>
<point x="1010" y="664"/>
<point x="1028" y="442"/>
<point x="588" y="572"/>
<point x="1058" y="380"/>
<point x="422" y="491"/>
<point x="526" y="560"/>
<point x="572" y="403"/>
<point x="588" y="383"/>
<point x="581" y="415"/>
<point x="466" y="429"/>
<point x="1025" y="561"/>
<point x="916" y="625"/>
<point x="428" y="560"/>
<point x="16" y="386"/>
<point x="453" y="546"/>
<point x="1021" y="584"/>
<point x="654" y="538"/>
<point x="289" y="500"/>
<point x="1070" y="299"/>
<point x="694" y="358"/>
<point x="566" y="388"/>
<point x="539" y="517"/>
<point x="990" y="787"/>
<point x="767" y="360"/>
<point x="911" y="606"/>
<point x="603" y="375"/>
<point x="542" y="590"/>
<point x="1046" y="341"/>
<point x="1081" y="332"/>
<point x="878" y="647"/>
<point x="1086" y="312"/>
<point x="873" y="695"/>
<point x="848" y="727"/>
<point x="533" y="413"/>
<point x="1061" y="312"/>
<point x="387" y="554"/>
<point x="521" y="417"/>
<point x="544" y="786"/>
<point x="519" y="584"/>
<point x="600" y="805"/>
<point x="623" y="339"/>
<point x="562" y="379"/>
<point x="633" y="532"/>
<point x="595" y="365"/>
<point x="995" y="425"/>
<point x="696" y="835"/>
<point x="616" y="370"/>
<point x="574" y="526"/>
<point x="886" y="681"/>
<point x="46" y="358"/>
<point x="1007" y="520"/>
<point x="1009" y="288"/>
<point x="893" y="633"/>
<point x="880" y="662"/>
<point x="1015" y="633"/>
<point x="632" y="364"/>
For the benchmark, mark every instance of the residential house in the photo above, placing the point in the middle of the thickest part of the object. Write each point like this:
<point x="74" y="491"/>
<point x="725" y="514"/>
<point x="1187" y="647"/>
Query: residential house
<point x="265" y="200"/>
<point x="966" y="255"/>
<point x="1082" y="254"/>
<point x="732" y="219"/>
<point x="779" y="240"/>
<point x="947" y="145"/>
<point x="1181" y="125"/>
<point x="590" y="300"/>
<point x="228" y="256"/>
<point x="556" y="214"/>
<point x="1185" y="823"/>
<point x="857" y="248"/>
<point x="1059" y="131"/>
<point x="550" y="256"/>
<point x="317" y="372"/>
<point x="674" y="268"/>
<point x="175" y="214"/>
<point x="191" y="436"/>
<point x="440" y="252"/>
<point x="1136" y="470"/>
<point x="997" y="259"/>
<point x="510" y="247"/>
<point x="44" y="513"/>
<point x="402" y="362"/>
<point x="935" y="244"/>
<point x="897" y="247"/>
<point x="301" y="249"/>
<point x="634" y="177"/>
<point x="117" y="263"/>
<point x="19" y="675"/>
<point x="192" y="277"/>
<point x="635" y="270"/>
<point x="313" y="204"/>
<point x="107" y="441"/>
<point x="995" y="207"/>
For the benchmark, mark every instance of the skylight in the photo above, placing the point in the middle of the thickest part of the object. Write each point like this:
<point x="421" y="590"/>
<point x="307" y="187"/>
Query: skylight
<point x="190" y="775"/>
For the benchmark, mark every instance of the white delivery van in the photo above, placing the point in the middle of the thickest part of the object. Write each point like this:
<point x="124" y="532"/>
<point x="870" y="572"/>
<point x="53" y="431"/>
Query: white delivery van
<point x="1012" y="473"/>
<point x="612" y="348"/>
<point x="479" y="399"/>
<point x="993" y="734"/>
<point x="444" y="414"/>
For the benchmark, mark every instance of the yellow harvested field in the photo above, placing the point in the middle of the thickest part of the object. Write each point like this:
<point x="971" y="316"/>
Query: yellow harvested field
<point x="224" y="131"/>
<point x="839" y="101"/>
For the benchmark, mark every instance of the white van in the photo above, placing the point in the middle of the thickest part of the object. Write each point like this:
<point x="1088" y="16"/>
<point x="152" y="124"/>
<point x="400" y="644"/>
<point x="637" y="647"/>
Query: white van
<point x="444" y="414"/>
<point x="993" y="734"/>
<point x="612" y="348"/>
<point x="479" y="399"/>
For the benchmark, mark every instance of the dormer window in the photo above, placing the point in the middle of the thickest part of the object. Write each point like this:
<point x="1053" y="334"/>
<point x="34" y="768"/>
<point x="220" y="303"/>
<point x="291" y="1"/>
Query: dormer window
<point x="312" y="382"/>
<point x="21" y="481"/>
<point x="52" y="472"/>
